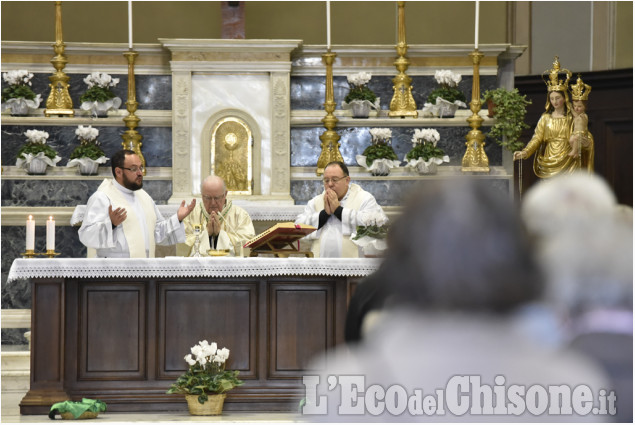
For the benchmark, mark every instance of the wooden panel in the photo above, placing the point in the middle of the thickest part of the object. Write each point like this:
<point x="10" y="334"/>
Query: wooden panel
<point x="48" y="317"/>
<point x="301" y="326"/>
<point x="113" y="341"/>
<point x="221" y="313"/>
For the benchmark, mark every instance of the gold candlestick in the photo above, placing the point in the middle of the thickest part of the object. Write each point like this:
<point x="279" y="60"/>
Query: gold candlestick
<point x="29" y="253"/>
<point x="402" y="103"/>
<point x="50" y="253"/>
<point x="59" y="101"/>
<point x="475" y="158"/>
<point x="131" y="138"/>
<point x="330" y="138"/>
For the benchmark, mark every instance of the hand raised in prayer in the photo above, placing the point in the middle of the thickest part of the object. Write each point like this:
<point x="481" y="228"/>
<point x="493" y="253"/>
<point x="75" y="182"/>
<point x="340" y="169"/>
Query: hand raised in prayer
<point x="185" y="210"/>
<point x="213" y="225"/>
<point x="331" y="200"/>
<point x="117" y="216"/>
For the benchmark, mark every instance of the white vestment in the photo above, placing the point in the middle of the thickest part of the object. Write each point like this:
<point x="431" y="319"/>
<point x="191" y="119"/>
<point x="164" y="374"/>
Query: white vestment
<point x="136" y="236"/>
<point x="333" y="238"/>
<point x="236" y="229"/>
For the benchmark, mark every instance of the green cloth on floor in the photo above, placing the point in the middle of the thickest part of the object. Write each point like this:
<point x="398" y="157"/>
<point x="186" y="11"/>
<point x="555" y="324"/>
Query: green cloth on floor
<point x="76" y="408"/>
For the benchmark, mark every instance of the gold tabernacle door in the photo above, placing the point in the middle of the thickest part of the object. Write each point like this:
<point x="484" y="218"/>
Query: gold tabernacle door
<point x="279" y="240"/>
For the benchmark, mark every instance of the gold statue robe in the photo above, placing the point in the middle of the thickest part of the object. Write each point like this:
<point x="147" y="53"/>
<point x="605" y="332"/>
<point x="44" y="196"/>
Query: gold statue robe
<point x="550" y="143"/>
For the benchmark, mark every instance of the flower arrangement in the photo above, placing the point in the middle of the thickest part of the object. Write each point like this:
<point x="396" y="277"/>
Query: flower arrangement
<point x="360" y="98"/>
<point x="99" y="98"/>
<point x="371" y="234"/>
<point x="89" y="146"/>
<point x="36" y="143"/>
<point x="449" y="82"/>
<point x="19" y="82"/>
<point x="206" y="373"/>
<point x="425" y="155"/>
<point x="18" y="96"/>
<point x="379" y="157"/>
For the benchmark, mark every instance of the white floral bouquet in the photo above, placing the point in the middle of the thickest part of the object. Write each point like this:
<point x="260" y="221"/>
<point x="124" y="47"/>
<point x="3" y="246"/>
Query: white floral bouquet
<point x="359" y="91"/>
<point x="87" y="133"/>
<point x="36" y="147"/>
<point x="446" y="99"/>
<point x="99" y="98"/>
<point x="379" y="157"/>
<point x="370" y="234"/>
<point x="88" y="151"/>
<point x="18" y="96"/>
<point x="446" y="77"/>
<point x="425" y="156"/>
<point x="206" y="373"/>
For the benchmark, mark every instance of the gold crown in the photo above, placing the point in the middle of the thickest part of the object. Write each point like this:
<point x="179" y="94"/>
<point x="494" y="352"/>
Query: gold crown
<point x="580" y="91"/>
<point x="553" y="82"/>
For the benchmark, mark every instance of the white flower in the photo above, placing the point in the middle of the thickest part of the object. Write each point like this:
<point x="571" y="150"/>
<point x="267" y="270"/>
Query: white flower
<point x="381" y="133"/>
<point x="36" y="136"/>
<point x="87" y="133"/>
<point x="100" y="79"/>
<point x="373" y="218"/>
<point x="447" y="77"/>
<point x="359" y="79"/>
<point x="426" y="134"/>
<point x="190" y="360"/>
<point x="20" y="76"/>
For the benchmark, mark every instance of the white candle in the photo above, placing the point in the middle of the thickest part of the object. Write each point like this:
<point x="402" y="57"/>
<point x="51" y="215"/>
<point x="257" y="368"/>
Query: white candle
<point x="50" y="234"/>
<point x="328" y="25"/>
<point x="130" y="24"/>
<point x="476" y="28"/>
<point x="30" y="234"/>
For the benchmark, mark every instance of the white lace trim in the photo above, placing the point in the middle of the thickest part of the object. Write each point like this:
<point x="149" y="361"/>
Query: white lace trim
<point x="171" y="267"/>
<point x="256" y="212"/>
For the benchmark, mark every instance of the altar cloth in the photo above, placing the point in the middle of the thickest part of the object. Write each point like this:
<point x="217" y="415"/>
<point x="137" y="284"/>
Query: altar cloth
<point x="173" y="267"/>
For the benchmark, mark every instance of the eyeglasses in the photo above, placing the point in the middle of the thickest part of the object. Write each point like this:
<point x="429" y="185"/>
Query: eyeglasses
<point x="135" y="169"/>
<point x="213" y="198"/>
<point x="334" y="180"/>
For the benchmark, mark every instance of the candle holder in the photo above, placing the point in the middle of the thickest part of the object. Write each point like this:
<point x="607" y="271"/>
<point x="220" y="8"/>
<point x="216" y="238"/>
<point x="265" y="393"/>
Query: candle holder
<point x="131" y="138"/>
<point x="50" y="253"/>
<point x="59" y="101"/>
<point x="475" y="158"/>
<point x="330" y="138"/>
<point x="29" y="254"/>
<point x="197" y="242"/>
<point x="402" y="103"/>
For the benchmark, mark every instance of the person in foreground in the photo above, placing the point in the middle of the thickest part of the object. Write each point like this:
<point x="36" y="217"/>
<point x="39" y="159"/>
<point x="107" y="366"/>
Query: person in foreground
<point x="337" y="212"/>
<point x="122" y="220"/>
<point x="223" y="224"/>
<point x="449" y="345"/>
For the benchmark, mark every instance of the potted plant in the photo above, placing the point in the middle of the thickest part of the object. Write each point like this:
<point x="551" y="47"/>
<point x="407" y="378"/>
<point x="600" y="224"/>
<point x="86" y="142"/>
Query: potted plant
<point x="18" y="96"/>
<point x="371" y="234"/>
<point x="425" y="156"/>
<point x="379" y="157"/>
<point x="206" y="381"/>
<point x="99" y="99"/>
<point x="508" y="109"/>
<point x="35" y="155"/>
<point x="88" y="155"/>
<point x="360" y="98"/>
<point x="445" y="100"/>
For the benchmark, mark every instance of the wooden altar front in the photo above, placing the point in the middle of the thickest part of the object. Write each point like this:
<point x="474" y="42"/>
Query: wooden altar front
<point x="118" y="329"/>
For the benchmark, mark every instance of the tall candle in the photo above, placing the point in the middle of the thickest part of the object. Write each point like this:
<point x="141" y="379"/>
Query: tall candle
<point x="476" y="28"/>
<point x="328" y="25"/>
<point x="130" y="24"/>
<point x="50" y="234"/>
<point x="30" y="234"/>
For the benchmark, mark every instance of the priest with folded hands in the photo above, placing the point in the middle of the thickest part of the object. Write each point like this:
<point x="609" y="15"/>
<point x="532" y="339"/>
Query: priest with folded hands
<point x="223" y="225"/>
<point x="337" y="212"/>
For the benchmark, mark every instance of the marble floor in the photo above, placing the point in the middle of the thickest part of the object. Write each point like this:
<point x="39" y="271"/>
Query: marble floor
<point x="11" y="414"/>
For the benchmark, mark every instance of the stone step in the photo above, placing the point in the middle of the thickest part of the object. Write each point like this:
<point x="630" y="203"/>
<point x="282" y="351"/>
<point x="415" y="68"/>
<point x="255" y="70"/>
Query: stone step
<point x="15" y="371"/>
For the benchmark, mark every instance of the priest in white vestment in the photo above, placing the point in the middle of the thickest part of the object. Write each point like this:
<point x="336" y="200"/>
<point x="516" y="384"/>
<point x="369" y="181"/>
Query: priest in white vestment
<point x="337" y="212"/>
<point x="122" y="220"/>
<point x="224" y="226"/>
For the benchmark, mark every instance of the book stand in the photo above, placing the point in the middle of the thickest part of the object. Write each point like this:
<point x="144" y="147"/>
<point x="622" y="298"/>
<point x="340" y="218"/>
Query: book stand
<point x="281" y="240"/>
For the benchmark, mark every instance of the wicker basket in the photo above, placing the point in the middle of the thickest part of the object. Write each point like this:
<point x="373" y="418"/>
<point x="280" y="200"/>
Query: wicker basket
<point x="85" y="415"/>
<point x="213" y="405"/>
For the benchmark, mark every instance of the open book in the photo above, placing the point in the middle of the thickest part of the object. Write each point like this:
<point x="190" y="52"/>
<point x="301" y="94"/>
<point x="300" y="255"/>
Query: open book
<point x="279" y="236"/>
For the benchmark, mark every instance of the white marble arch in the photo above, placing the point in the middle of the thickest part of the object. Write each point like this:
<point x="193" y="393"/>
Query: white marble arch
<point x="249" y="79"/>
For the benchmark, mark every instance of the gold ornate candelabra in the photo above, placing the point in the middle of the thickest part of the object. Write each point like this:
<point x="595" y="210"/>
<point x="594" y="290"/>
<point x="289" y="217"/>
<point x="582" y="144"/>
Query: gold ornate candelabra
<point x="402" y="103"/>
<point x="131" y="138"/>
<point x="475" y="158"/>
<point x="330" y="138"/>
<point x="59" y="101"/>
